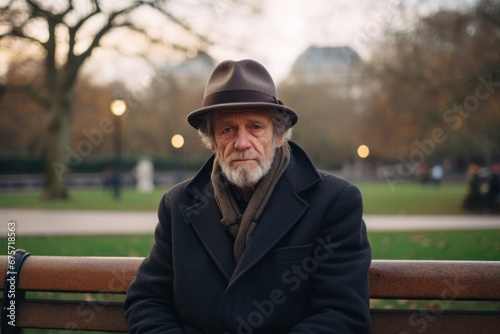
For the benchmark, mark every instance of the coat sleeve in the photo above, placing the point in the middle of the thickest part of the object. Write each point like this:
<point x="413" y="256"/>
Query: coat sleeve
<point x="149" y="306"/>
<point x="339" y="295"/>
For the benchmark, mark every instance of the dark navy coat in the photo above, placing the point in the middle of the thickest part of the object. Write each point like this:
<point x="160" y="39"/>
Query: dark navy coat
<point x="304" y="271"/>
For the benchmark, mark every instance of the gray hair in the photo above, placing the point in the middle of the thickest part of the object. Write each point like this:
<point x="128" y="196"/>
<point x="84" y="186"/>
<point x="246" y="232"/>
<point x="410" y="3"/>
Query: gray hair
<point x="281" y="127"/>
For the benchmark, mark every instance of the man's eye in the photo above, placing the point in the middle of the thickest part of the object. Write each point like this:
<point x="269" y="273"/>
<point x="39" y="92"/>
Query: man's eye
<point x="256" y="127"/>
<point x="227" y="130"/>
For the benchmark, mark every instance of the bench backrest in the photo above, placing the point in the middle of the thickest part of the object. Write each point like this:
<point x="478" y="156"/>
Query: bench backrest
<point x="86" y="293"/>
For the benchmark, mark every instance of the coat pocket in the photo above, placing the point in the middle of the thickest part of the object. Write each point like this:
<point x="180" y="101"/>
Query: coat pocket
<point x="290" y="253"/>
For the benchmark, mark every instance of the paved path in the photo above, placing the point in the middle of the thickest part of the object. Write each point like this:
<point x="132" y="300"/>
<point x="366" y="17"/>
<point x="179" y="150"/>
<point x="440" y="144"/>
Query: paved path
<point x="62" y="222"/>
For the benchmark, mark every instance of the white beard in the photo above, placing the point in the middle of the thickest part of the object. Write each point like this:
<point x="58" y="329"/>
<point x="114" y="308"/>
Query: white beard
<point x="243" y="175"/>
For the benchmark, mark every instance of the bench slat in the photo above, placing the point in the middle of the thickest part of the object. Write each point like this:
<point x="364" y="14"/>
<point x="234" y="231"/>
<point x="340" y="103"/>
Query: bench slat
<point x="72" y="316"/>
<point x="405" y="322"/>
<point x="450" y="280"/>
<point x="446" y="280"/>
<point x="77" y="274"/>
<point x="405" y="279"/>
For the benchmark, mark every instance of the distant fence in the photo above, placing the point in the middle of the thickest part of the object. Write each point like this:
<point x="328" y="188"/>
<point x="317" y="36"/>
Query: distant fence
<point x="85" y="180"/>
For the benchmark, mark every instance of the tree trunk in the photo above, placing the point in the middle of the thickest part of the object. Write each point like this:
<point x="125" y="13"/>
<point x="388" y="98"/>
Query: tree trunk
<point x="60" y="157"/>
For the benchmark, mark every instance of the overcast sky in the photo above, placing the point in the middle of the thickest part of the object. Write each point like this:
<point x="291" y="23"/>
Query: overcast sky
<point x="285" y="28"/>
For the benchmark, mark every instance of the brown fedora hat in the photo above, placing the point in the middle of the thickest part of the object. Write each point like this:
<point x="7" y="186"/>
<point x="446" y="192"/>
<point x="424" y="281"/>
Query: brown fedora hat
<point x="238" y="85"/>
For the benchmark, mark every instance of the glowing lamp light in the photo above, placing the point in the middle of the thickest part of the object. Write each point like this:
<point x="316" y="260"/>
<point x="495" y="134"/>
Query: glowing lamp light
<point x="177" y="141"/>
<point x="363" y="151"/>
<point x="118" y="107"/>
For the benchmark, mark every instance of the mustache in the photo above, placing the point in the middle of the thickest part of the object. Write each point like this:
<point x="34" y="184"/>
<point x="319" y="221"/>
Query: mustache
<point x="243" y="156"/>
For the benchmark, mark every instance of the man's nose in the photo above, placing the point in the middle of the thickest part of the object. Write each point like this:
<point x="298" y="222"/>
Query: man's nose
<point x="242" y="140"/>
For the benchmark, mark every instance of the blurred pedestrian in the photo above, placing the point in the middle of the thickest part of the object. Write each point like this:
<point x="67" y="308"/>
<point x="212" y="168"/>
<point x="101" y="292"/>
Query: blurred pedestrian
<point x="437" y="174"/>
<point x="107" y="178"/>
<point x="474" y="200"/>
<point x="493" y="192"/>
<point x="117" y="183"/>
<point x="423" y="173"/>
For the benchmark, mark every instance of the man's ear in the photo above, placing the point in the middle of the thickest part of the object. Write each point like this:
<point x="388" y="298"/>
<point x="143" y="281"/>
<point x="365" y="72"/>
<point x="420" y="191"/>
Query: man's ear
<point x="280" y="141"/>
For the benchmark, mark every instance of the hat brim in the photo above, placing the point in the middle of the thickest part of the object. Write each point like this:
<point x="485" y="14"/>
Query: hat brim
<point x="197" y="117"/>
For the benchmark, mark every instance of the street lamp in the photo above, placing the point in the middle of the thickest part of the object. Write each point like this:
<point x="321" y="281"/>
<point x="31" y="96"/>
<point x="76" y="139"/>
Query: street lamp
<point x="177" y="142"/>
<point x="118" y="108"/>
<point x="363" y="151"/>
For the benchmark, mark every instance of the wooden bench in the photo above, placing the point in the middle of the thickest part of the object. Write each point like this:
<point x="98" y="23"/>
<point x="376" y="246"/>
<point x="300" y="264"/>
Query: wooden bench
<point x="101" y="281"/>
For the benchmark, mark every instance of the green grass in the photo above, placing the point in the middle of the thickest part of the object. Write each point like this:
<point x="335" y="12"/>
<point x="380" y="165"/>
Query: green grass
<point x="95" y="199"/>
<point x="419" y="245"/>
<point x="114" y="245"/>
<point x="412" y="198"/>
<point x="379" y="198"/>
<point x="472" y="245"/>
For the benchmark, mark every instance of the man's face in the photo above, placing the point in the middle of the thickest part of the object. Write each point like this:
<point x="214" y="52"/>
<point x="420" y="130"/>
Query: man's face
<point x="245" y="145"/>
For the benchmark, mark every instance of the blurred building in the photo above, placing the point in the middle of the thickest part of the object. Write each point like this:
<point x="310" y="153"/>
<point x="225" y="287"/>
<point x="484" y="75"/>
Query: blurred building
<point x="192" y="72"/>
<point x="335" y="66"/>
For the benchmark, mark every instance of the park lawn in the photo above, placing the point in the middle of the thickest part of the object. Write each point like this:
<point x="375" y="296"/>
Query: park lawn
<point x="378" y="198"/>
<point x="417" y="245"/>
<point x="483" y="245"/>
<point x="412" y="198"/>
<point x="93" y="199"/>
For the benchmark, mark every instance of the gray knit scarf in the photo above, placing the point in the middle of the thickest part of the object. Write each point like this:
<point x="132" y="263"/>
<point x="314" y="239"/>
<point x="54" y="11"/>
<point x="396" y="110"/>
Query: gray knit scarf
<point x="241" y="226"/>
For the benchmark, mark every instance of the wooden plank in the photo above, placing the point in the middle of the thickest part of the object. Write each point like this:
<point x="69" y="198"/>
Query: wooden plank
<point x="72" y="316"/>
<point x="403" y="279"/>
<point x="423" y="321"/>
<point x="443" y="280"/>
<point x="77" y="274"/>
<point x="440" y="280"/>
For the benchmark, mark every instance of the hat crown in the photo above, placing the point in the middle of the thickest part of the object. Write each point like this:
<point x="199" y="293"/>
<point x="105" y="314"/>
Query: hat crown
<point x="239" y="85"/>
<point x="243" y="75"/>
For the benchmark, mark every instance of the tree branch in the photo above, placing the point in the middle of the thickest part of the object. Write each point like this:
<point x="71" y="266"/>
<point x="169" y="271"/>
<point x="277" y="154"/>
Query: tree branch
<point x="37" y="10"/>
<point x="177" y="21"/>
<point x="16" y="32"/>
<point x="74" y="30"/>
<point x="74" y="61"/>
<point x="104" y="30"/>
<point x="490" y="18"/>
<point x="69" y="9"/>
<point x="31" y="92"/>
<point x="7" y="5"/>
<point x="10" y="16"/>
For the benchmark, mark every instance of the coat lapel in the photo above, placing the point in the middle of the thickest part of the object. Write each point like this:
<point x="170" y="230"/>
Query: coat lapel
<point x="283" y="211"/>
<point x="217" y="241"/>
<point x="204" y="217"/>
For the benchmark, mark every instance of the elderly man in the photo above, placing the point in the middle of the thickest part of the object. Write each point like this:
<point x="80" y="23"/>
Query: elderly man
<point x="259" y="241"/>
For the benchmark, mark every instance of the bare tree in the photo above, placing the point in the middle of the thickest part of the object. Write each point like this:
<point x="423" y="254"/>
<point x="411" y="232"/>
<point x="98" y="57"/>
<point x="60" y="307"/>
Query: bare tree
<point x="437" y="96"/>
<point x="64" y="35"/>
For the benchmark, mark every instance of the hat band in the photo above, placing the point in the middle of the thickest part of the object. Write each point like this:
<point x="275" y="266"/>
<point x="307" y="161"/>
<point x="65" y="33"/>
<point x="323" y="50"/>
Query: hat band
<point x="238" y="96"/>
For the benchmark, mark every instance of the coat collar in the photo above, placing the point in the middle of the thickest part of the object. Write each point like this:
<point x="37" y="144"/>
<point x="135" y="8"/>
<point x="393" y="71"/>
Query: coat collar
<point x="283" y="211"/>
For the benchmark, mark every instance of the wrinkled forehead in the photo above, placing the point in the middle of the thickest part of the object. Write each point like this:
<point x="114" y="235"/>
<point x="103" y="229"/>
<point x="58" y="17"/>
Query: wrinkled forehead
<point x="247" y="113"/>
